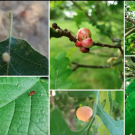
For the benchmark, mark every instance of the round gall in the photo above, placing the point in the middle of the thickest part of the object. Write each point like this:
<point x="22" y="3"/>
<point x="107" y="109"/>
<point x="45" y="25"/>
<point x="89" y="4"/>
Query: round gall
<point x="6" y="57"/>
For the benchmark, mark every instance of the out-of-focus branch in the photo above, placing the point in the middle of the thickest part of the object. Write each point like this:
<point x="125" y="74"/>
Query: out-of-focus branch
<point x="130" y="27"/>
<point x="77" y="65"/>
<point x="129" y="32"/>
<point x="86" y="13"/>
<point x="127" y="66"/>
<point x="103" y="55"/>
<point x="129" y="75"/>
<point x="106" y="45"/>
<point x="127" y="18"/>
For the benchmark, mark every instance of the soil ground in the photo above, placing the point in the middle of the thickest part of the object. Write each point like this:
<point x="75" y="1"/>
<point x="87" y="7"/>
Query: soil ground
<point x="30" y="22"/>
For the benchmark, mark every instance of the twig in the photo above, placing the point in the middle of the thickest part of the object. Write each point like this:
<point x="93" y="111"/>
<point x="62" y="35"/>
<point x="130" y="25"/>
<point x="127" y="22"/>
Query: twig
<point x="127" y="18"/>
<point x="130" y="27"/>
<point x="68" y="34"/>
<point x="103" y="55"/>
<point x="86" y="13"/>
<point x="129" y="76"/>
<point x="129" y="32"/>
<point x="126" y="66"/>
<point x="132" y="52"/>
<point x="94" y="66"/>
<point x="121" y="50"/>
<point x="64" y="32"/>
<point x="106" y="45"/>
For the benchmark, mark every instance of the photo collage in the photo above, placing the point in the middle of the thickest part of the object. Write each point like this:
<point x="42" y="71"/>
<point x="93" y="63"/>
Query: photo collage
<point x="67" y="67"/>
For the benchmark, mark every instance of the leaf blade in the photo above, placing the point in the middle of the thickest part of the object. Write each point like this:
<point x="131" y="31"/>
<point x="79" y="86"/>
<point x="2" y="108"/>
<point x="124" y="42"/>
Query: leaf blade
<point x="21" y="52"/>
<point x="26" y="115"/>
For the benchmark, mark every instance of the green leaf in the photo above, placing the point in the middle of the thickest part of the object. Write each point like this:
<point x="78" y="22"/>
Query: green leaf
<point x="59" y="72"/>
<point x="110" y="100"/>
<point x="115" y="127"/>
<point x="81" y="94"/>
<point x="127" y="79"/>
<point x="24" y="60"/>
<point x="58" y="126"/>
<point x="20" y="113"/>
<point x="61" y="55"/>
<point x="131" y="87"/>
<point x="104" y="96"/>
<point x="119" y="98"/>
<point x="130" y="114"/>
<point x="78" y="19"/>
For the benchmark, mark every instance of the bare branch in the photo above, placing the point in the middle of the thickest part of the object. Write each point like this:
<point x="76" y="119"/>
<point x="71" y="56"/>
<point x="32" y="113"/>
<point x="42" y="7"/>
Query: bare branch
<point x="130" y="27"/>
<point x="129" y="75"/>
<point x="64" y="32"/>
<point x="106" y="45"/>
<point x="103" y="55"/>
<point x="94" y="66"/>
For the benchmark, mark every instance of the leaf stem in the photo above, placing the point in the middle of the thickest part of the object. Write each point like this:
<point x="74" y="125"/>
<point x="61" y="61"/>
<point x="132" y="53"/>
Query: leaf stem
<point x="10" y="36"/>
<point x="90" y="124"/>
<point x="10" y="29"/>
<point x="77" y="65"/>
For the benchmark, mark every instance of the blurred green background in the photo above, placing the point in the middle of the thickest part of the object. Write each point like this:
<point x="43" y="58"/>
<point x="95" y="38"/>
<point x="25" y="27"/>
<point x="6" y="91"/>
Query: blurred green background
<point x="105" y="21"/>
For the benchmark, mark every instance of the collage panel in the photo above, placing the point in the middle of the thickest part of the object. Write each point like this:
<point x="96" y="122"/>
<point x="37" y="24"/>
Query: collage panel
<point x="129" y="95"/>
<point x="24" y="38"/>
<point x="129" y="28"/>
<point x="129" y="67"/>
<point x="24" y="106"/>
<point x="86" y="112"/>
<point x="67" y="68"/>
<point x="86" y="44"/>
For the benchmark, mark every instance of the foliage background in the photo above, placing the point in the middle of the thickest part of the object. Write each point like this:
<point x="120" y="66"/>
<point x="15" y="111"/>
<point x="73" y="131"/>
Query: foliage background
<point x="105" y="20"/>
